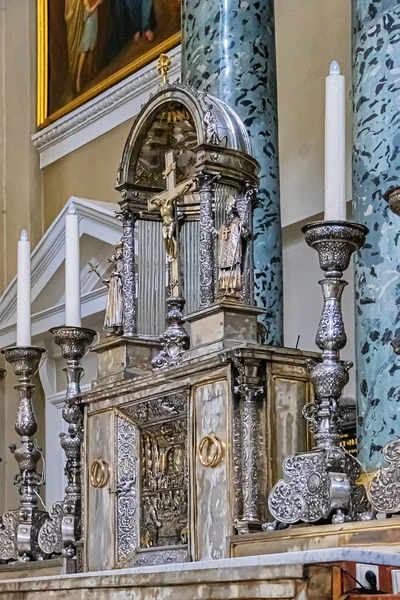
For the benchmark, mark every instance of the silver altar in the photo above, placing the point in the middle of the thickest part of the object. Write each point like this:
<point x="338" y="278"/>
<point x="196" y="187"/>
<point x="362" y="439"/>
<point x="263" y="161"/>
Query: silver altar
<point x="186" y="429"/>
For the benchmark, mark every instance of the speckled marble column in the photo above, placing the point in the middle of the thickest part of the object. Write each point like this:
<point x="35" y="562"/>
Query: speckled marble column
<point x="376" y="167"/>
<point x="228" y="49"/>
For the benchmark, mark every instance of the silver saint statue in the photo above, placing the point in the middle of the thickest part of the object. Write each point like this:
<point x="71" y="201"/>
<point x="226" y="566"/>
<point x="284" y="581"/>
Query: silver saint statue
<point x="113" y="321"/>
<point x="231" y="238"/>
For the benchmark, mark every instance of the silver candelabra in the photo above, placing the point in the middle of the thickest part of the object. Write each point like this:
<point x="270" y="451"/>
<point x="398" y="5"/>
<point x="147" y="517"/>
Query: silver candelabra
<point x="74" y="343"/>
<point x="25" y="362"/>
<point x="322" y="482"/>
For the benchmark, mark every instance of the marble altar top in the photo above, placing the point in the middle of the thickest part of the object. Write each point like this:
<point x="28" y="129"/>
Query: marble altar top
<point x="329" y="555"/>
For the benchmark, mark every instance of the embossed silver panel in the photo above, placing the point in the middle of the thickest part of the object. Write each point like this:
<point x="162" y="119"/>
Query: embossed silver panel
<point x="153" y="486"/>
<point x="126" y="488"/>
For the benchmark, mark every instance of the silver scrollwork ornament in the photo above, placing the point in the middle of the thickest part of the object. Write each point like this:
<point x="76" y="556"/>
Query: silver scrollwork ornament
<point x="384" y="488"/>
<point x="74" y="343"/>
<point x="25" y="362"/>
<point x="49" y="537"/>
<point x="8" y="537"/>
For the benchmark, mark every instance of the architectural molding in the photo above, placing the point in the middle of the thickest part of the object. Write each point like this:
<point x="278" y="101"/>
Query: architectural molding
<point x="96" y="220"/>
<point x="108" y="110"/>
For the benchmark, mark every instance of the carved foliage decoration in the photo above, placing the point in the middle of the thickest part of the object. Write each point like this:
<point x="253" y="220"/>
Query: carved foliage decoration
<point x="126" y="487"/>
<point x="8" y="536"/>
<point x="162" y="407"/>
<point x="50" y="537"/>
<point x="307" y="496"/>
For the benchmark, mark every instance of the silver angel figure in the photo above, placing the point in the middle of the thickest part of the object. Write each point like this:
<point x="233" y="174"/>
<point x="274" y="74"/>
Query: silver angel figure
<point x="113" y="321"/>
<point x="231" y="239"/>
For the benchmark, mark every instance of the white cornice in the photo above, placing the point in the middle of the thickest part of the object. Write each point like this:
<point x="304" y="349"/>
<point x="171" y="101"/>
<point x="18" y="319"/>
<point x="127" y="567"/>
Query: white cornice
<point x="108" y="110"/>
<point x="96" y="219"/>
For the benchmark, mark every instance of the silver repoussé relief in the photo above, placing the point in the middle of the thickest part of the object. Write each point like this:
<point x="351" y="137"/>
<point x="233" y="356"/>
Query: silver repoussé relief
<point x="49" y="537"/>
<point x="126" y="488"/>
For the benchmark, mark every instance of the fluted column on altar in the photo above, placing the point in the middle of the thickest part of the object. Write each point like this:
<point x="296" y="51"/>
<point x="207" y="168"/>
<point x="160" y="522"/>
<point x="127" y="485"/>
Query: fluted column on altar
<point x="228" y="50"/>
<point x="376" y="167"/>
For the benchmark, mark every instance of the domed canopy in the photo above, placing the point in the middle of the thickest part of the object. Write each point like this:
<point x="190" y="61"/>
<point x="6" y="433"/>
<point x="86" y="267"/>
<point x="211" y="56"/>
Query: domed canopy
<point x="202" y="131"/>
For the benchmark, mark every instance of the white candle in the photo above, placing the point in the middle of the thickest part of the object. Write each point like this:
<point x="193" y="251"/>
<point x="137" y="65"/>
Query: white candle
<point x="72" y="269"/>
<point x="24" y="291"/>
<point x="335" y="167"/>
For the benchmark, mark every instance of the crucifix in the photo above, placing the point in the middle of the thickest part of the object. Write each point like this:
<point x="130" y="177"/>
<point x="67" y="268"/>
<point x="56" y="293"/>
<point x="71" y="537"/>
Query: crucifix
<point x="225" y="233"/>
<point x="166" y="203"/>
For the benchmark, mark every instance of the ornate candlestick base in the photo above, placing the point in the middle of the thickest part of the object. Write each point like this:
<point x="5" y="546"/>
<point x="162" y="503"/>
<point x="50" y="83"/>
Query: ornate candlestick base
<point x="25" y="362"/>
<point x="74" y="343"/>
<point x="323" y="482"/>
<point x="174" y="340"/>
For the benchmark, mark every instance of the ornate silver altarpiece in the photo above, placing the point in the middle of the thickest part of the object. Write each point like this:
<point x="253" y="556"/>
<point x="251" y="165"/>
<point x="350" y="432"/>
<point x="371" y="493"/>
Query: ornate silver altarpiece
<point x="183" y="434"/>
<point x="190" y="416"/>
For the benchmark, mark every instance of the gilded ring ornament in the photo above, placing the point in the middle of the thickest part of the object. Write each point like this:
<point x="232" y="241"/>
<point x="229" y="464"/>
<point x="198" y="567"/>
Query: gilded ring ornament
<point x="99" y="473"/>
<point x="210" y="450"/>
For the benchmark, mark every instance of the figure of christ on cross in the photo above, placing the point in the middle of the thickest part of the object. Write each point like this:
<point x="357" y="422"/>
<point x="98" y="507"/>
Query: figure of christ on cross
<point x="166" y="203"/>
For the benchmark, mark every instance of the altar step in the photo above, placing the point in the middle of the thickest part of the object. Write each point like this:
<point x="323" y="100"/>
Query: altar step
<point x="227" y="579"/>
<point x="24" y="570"/>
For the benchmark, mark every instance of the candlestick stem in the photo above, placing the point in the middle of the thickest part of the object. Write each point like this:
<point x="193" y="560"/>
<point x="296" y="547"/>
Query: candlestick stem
<point x="323" y="481"/>
<point x="74" y="343"/>
<point x="25" y="362"/>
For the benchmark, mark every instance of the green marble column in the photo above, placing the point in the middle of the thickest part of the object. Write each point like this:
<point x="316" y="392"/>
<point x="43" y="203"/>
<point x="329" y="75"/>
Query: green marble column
<point x="376" y="167"/>
<point x="228" y="50"/>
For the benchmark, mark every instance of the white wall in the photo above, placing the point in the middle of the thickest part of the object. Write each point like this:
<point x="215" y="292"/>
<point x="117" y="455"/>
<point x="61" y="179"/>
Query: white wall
<point x="309" y="35"/>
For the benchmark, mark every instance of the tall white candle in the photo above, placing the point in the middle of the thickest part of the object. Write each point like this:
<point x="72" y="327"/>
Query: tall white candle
<point x="24" y="291"/>
<point x="72" y="269"/>
<point x="335" y="166"/>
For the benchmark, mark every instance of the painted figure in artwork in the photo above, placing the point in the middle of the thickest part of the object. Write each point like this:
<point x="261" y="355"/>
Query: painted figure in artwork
<point x="91" y="44"/>
<point x="231" y="239"/>
<point x="89" y="38"/>
<point x="144" y="8"/>
<point x="74" y="19"/>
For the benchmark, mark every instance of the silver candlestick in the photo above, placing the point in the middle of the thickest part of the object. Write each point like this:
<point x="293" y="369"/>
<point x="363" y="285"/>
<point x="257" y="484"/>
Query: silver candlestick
<point x="323" y="482"/>
<point x="384" y="486"/>
<point x="175" y="339"/>
<point x="25" y="362"/>
<point x="74" y="343"/>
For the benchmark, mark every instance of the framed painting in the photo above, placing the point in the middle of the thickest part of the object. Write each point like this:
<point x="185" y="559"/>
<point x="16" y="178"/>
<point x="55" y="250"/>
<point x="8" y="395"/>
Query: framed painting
<point x="86" y="46"/>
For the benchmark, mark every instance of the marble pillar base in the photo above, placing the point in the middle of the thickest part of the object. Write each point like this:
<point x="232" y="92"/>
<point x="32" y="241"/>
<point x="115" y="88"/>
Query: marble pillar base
<point x="121" y="358"/>
<point x="223" y="325"/>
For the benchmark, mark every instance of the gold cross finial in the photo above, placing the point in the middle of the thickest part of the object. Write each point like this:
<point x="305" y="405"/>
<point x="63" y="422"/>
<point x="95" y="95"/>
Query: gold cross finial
<point x="163" y="66"/>
<point x="225" y="233"/>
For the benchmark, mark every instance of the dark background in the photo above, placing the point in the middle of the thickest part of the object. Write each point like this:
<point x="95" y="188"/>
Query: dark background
<point x="112" y="53"/>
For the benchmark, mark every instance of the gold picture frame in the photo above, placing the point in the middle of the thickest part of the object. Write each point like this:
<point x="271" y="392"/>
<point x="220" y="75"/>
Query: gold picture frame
<point x="43" y="116"/>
